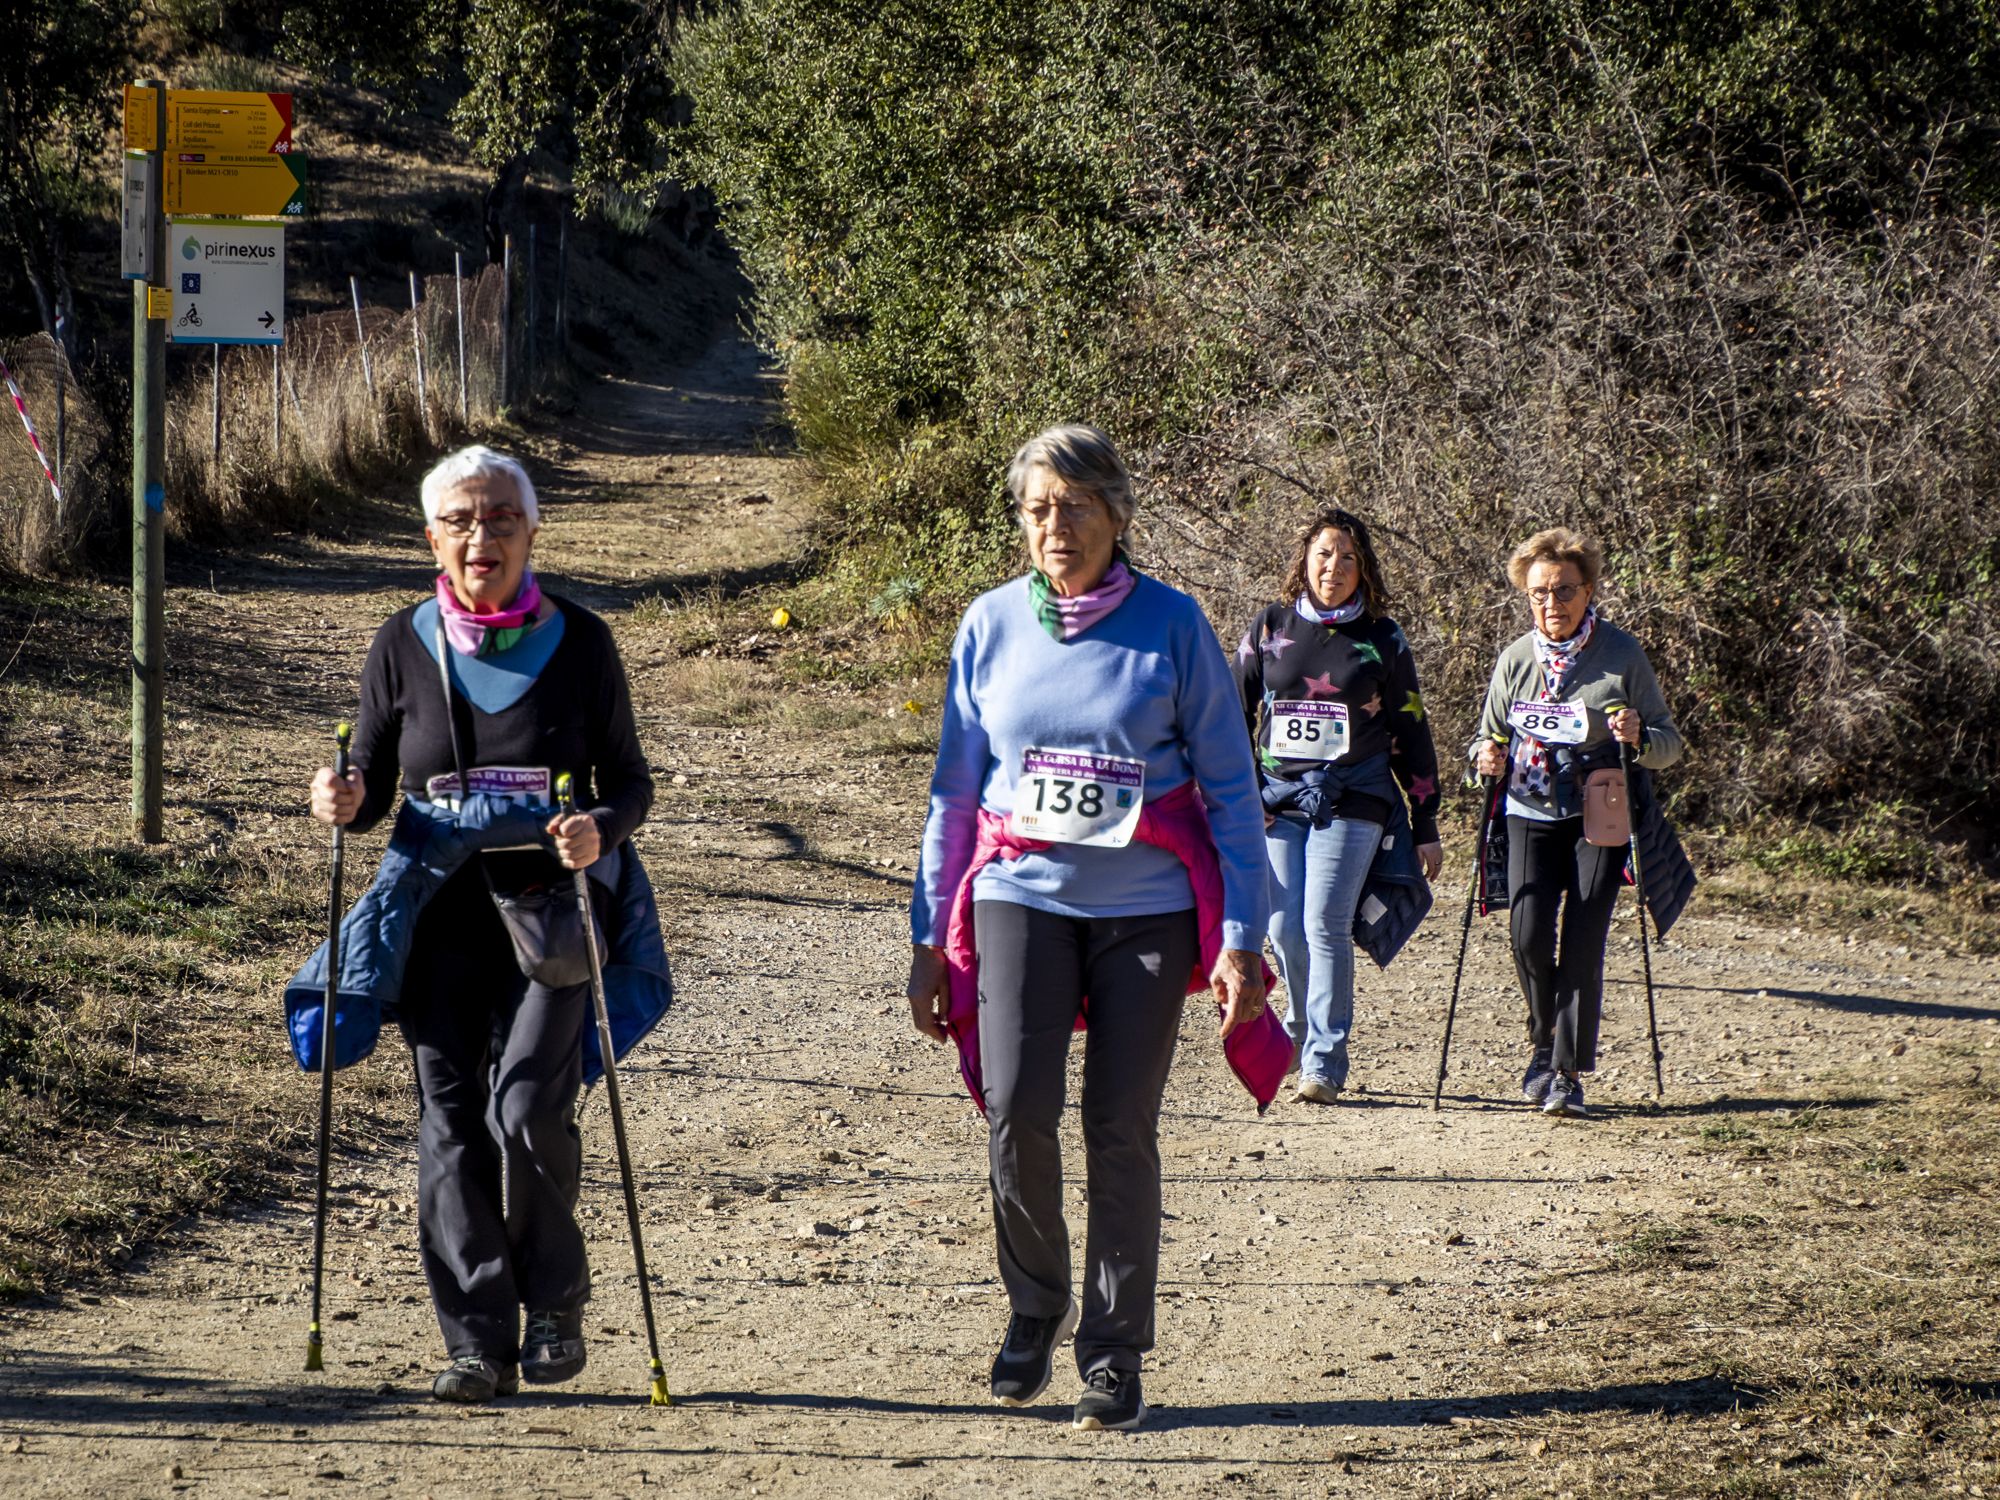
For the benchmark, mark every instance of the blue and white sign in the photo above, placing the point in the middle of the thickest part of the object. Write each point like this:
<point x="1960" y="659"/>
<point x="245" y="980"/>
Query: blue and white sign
<point x="231" y="277"/>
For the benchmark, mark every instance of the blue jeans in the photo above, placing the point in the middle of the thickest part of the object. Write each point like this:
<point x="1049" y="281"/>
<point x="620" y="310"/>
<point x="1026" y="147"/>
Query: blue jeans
<point x="1316" y="878"/>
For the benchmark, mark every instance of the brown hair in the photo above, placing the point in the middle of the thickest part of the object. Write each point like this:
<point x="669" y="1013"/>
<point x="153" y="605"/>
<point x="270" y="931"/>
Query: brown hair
<point x="1557" y="545"/>
<point x="1374" y="593"/>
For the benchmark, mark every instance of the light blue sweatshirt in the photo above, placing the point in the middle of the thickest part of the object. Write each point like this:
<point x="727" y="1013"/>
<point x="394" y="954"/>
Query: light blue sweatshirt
<point x="1147" y="682"/>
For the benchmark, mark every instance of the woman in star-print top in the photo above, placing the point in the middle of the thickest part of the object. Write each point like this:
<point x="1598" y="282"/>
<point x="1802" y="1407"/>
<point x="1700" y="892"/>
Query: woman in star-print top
<point x="1331" y="701"/>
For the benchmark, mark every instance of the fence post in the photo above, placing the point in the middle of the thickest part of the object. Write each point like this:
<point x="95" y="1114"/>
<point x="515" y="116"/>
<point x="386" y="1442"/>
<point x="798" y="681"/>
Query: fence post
<point x="506" y="312"/>
<point x="562" y="287"/>
<point x="361" y="338"/>
<point x="215" y="404"/>
<point x="458" y="290"/>
<point x="417" y="338"/>
<point x="62" y="420"/>
<point x="531" y="364"/>
<point x="277" y="403"/>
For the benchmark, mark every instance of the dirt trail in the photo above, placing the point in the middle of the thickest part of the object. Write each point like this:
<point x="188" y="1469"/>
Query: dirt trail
<point x="1339" y="1284"/>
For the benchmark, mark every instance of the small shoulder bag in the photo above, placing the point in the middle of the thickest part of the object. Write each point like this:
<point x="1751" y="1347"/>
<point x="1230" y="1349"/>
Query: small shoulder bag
<point x="543" y="923"/>
<point x="1607" y="812"/>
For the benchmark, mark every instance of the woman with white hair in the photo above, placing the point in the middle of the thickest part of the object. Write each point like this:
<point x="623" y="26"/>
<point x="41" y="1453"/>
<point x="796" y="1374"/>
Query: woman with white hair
<point x="535" y="690"/>
<point x="1068" y="870"/>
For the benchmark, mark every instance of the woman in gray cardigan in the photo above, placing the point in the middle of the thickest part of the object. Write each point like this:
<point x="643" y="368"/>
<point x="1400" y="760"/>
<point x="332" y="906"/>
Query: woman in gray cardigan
<point x="1562" y="696"/>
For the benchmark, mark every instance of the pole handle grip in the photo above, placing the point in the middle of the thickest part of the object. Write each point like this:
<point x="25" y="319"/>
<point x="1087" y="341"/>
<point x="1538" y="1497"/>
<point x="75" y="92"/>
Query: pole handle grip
<point x="343" y="740"/>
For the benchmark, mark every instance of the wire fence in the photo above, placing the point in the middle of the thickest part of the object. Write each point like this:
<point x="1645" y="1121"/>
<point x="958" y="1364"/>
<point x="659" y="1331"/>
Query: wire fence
<point x="264" y="435"/>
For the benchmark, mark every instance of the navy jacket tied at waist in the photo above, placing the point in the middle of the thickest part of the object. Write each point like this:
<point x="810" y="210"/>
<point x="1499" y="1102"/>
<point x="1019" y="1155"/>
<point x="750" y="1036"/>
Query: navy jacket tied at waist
<point x="427" y="847"/>
<point x="1395" y="897"/>
<point x="1670" y="878"/>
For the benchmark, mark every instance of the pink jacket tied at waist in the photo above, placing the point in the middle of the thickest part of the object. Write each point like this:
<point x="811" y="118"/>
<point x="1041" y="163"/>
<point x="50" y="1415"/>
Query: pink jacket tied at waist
<point x="1259" y="1051"/>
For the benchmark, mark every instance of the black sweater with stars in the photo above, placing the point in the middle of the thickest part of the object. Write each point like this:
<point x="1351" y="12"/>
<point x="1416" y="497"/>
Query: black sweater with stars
<point x="1364" y="666"/>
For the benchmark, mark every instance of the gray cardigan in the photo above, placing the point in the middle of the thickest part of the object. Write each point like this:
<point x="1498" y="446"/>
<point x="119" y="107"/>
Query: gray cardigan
<point x="1610" y="671"/>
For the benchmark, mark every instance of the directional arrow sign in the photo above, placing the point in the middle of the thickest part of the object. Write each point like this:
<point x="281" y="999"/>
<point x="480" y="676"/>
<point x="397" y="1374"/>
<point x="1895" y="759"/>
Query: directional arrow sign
<point x="233" y="186"/>
<point x="232" y="123"/>
<point x="228" y="280"/>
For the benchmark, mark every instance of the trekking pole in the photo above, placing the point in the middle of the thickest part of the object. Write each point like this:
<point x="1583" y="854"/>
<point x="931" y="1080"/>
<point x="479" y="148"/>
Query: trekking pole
<point x="565" y="795"/>
<point x="1645" y="949"/>
<point x="1486" y="785"/>
<point x="343" y="736"/>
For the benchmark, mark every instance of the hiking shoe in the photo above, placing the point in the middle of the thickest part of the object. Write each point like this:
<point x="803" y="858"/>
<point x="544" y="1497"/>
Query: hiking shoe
<point x="471" y="1379"/>
<point x="1535" y="1082"/>
<point x="1317" y="1090"/>
<point x="553" y="1350"/>
<point x="1565" y="1098"/>
<point x="1021" y="1368"/>
<point x="1110" y="1402"/>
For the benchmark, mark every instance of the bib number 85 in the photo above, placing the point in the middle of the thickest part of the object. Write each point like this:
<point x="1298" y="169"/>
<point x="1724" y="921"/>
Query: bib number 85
<point x="1304" y="730"/>
<point x="1054" y="794"/>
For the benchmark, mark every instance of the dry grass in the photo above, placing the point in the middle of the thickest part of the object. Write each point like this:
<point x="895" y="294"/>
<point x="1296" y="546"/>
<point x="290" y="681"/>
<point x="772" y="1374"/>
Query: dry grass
<point x="1819" y="1323"/>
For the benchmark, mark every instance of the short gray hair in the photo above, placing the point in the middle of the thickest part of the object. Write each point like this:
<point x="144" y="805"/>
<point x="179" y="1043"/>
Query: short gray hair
<point x="1082" y="457"/>
<point x="477" y="462"/>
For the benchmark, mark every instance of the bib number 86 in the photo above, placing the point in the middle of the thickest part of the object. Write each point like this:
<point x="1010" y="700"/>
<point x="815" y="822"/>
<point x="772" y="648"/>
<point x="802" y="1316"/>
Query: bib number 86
<point x="1533" y="721"/>
<point x="1061" y="794"/>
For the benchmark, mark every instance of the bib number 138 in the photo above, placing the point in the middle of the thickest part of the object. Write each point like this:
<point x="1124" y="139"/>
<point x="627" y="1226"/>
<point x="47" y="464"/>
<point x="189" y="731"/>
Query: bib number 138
<point x="1077" y="797"/>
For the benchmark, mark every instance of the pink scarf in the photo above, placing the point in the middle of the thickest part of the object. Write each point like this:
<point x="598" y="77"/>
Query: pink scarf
<point x="473" y="634"/>
<point x="1066" y="618"/>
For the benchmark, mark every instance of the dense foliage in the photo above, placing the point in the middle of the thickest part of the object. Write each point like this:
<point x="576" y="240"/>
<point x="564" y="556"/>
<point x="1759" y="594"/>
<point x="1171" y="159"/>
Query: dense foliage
<point x="1712" y="279"/>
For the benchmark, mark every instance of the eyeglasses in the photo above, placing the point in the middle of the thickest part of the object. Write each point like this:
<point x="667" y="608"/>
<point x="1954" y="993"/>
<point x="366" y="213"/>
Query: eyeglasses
<point x="1562" y="593"/>
<point x="1045" y="515"/>
<point x="498" y="523"/>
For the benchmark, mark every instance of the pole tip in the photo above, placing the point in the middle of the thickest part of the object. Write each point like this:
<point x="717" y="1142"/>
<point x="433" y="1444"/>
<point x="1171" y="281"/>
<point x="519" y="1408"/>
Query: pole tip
<point x="660" y="1396"/>
<point x="313" y="1360"/>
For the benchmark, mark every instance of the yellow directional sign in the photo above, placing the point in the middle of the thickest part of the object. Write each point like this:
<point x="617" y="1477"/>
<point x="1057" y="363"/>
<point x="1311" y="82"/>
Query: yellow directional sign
<point x="227" y="186"/>
<point x="233" y="123"/>
<point x="142" y="124"/>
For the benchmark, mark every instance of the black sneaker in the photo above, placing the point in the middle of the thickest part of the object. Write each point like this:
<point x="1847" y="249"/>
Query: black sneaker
<point x="553" y="1350"/>
<point x="1021" y="1368"/>
<point x="1110" y="1402"/>
<point x="472" y="1380"/>
<point x="1535" y="1082"/>
<point x="1566" y="1098"/>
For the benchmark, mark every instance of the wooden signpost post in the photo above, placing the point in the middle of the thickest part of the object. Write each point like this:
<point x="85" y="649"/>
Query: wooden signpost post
<point x="209" y="159"/>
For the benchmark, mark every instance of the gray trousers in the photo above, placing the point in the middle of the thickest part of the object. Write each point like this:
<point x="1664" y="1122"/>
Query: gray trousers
<point x="1035" y="969"/>
<point x="499" y="1159"/>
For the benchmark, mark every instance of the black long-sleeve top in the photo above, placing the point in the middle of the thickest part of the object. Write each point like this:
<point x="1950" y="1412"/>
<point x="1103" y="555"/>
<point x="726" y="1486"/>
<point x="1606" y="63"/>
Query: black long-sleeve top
<point x="1367" y="666"/>
<point x="576" y="716"/>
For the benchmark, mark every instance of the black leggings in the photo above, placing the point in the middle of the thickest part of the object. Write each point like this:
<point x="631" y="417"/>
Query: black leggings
<point x="1551" y="869"/>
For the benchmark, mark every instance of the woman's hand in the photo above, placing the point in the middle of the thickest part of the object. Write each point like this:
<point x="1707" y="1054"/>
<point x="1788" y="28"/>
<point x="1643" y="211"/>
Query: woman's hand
<point x="1491" y="759"/>
<point x="334" y="799"/>
<point x="1625" y="725"/>
<point x="578" y="842"/>
<point x="930" y="991"/>
<point x="1238" y="982"/>
<point x="1431" y="857"/>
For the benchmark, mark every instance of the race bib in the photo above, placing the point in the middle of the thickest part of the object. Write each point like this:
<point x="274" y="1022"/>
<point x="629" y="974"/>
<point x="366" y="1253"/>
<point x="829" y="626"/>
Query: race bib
<point x="1551" y="723"/>
<point x="1076" y="797"/>
<point x="526" y="785"/>
<point x="1305" y="730"/>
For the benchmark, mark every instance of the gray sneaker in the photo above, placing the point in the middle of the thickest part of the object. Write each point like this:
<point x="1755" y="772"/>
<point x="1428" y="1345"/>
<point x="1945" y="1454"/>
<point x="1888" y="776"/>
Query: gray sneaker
<point x="1535" y="1082"/>
<point x="1566" y="1098"/>
<point x="1026" y="1359"/>
<point x="470" y="1380"/>
<point x="1317" y="1090"/>
<point x="1111" y="1402"/>
<point x="553" y="1350"/>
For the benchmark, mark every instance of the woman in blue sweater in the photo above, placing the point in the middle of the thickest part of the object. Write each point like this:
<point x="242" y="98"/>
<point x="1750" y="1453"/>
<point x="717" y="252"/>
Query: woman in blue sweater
<point x="1079" y="696"/>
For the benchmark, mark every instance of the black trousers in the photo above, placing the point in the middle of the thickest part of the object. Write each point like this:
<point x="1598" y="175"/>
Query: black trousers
<point x="1553" y="874"/>
<point x="1035" y="969"/>
<point x="499" y="1159"/>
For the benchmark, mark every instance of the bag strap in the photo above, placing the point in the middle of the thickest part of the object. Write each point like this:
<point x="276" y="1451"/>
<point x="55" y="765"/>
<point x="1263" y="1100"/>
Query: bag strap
<point x="451" y="723"/>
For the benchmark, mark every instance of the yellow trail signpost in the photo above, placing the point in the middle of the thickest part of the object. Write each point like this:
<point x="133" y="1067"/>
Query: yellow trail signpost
<point x="208" y="184"/>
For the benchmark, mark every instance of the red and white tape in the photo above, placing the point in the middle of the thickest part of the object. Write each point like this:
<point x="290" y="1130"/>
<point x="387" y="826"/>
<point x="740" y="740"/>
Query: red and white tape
<point x="21" y="406"/>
